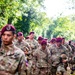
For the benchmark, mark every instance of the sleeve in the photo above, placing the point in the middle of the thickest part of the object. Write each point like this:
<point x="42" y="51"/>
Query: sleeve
<point x="22" y="66"/>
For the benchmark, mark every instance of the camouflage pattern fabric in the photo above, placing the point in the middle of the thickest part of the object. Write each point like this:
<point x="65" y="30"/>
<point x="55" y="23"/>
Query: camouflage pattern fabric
<point x="23" y="45"/>
<point x="33" y="43"/>
<point x="12" y="60"/>
<point x="42" y="61"/>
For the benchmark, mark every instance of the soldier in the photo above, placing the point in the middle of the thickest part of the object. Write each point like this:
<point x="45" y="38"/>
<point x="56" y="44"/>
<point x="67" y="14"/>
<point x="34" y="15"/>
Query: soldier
<point x="40" y="38"/>
<point x="53" y="41"/>
<point x="12" y="59"/>
<point x="33" y="45"/>
<point x="56" y="51"/>
<point x="67" y="46"/>
<point x="24" y="46"/>
<point x="72" y="60"/>
<point x="60" y="48"/>
<point x="71" y="43"/>
<point x="63" y="59"/>
<point x="21" y="43"/>
<point x="32" y="42"/>
<point x="42" y="56"/>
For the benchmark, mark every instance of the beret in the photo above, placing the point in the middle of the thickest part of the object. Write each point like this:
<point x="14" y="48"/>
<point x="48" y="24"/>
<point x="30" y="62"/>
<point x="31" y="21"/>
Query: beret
<point x="19" y="34"/>
<point x="59" y="39"/>
<point x="40" y="38"/>
<point x="53" y="40"/>
<point x="44" y="42"/>
<point x="45" y="39"/>
<point x="63" y="38"/>
<point x="8" y="27"/>
<point x="31" y="33"/>
<point x="27" y="37"/>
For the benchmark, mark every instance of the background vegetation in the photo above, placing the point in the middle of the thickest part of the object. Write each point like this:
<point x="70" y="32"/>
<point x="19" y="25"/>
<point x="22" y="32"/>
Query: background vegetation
<point x="27" y="15"/>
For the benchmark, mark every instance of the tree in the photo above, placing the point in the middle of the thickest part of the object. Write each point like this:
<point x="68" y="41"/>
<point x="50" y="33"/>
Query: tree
<point x="13" y="11"/>
<point x="62" y="26"/>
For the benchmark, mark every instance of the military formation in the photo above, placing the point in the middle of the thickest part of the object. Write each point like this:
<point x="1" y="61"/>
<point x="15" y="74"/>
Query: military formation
<point x="21" y="55"/>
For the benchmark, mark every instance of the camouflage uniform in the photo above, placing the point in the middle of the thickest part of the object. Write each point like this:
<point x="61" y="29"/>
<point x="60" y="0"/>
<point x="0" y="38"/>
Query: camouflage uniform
<point x="55" y="55"/>
<point x="69" y="51"/>
<point x="72" y="64"/>
<point x="12" y="60"/>
<point x="33" y="44"/>
<point x="62" y="49"/>
<point x="73" y="48"/>
<point x="22" y="45"/>
<point x="42" y="62"/>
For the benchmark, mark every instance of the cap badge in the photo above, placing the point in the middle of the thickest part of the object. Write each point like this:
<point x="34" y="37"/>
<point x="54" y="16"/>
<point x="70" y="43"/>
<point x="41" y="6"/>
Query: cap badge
<point x="8" y="27"/>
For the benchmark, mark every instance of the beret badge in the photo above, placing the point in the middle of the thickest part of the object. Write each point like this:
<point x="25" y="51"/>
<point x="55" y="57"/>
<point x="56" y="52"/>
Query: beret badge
<point x="8" y="27"/>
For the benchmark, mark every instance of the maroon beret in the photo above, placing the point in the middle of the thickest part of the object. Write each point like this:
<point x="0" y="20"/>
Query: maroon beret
<point x="31" y="33"/>
<point x="59" y="39"/>
<point x="40" y="38"/>
<point x="63" y="38"/>
<point x="44" y="42"/>
<point x="27" y="37"/>
<point x="46" y="39"/>
<point x="53" y="40"/>
<point x="19" y="34"/>
<point x="8" y="27"/>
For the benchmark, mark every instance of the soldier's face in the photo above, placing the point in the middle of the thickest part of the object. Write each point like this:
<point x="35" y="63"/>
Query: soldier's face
<point x="31" y="36"/>
<point x="39" y="41"/>
<point x="43" y="46"/>
<point x="7" y="37"/>
<point x="58" y="43"/>
<point x="20" y="38"/>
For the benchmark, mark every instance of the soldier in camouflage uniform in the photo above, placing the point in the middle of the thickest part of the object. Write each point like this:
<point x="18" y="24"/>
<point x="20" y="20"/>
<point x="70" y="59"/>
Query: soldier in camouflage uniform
<point x="63" y="60"/>
<point x="42" y="57"/>
<point x="21" y="43"/>
<point x="56" y="51"/>
<point x="52" y="41"/>
<point x="32" y="42"/>
<point x="33" y="45"/>
<point x="24" y="46"/>
<point x="67" y="46"/>
<point x="40" y="38"/>
<point x="71" y="43"/>
<point x="12" y="59"/>
<point x="72" y="60"/>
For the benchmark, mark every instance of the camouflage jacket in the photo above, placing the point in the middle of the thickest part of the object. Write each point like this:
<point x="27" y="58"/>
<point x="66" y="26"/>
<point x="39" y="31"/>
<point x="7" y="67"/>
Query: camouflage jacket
<point x="12" y="60"/>
<point x="58" y="50"/>
<point x="33" y="43"/>
<point x="42" y="57"/>
<point x="56" y="53"/>
<point x="23" y="45"/>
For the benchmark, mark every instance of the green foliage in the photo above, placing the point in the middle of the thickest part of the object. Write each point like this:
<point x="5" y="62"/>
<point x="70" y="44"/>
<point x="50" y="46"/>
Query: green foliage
<point x="63" y="26"/>
<point x="27" y="16"/>
<point x="21" y="13"/>
<point x="23" y="24"/>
